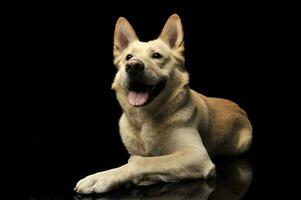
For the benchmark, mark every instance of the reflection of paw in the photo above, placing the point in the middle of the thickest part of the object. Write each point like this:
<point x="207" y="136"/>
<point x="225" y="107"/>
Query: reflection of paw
<point x="245" y="172"/>
<point x="97" y="183"/>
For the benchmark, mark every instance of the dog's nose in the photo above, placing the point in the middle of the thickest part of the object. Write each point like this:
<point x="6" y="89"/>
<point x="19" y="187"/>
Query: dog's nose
<point x="134" y="66"/>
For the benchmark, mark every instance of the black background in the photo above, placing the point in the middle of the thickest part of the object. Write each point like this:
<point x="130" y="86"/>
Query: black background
<point x="67" y="110"/>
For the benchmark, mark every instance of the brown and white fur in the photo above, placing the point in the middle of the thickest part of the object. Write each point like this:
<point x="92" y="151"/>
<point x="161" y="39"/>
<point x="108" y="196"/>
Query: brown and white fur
<point x="173" y="135"/>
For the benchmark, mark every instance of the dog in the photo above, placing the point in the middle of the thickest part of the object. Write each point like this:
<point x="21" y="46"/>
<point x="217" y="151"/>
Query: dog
<point x="170" y="131"/>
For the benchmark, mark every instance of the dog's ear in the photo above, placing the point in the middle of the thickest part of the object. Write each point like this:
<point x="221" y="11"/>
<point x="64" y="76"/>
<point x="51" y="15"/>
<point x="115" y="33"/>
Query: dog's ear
<point x="172" y="33"/>
<point x="124" y="34"/>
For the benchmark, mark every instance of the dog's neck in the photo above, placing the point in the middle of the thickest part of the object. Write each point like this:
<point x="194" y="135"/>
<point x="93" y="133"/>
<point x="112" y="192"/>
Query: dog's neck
<point x="176" y="101"/>
<point x="177" y="94"/>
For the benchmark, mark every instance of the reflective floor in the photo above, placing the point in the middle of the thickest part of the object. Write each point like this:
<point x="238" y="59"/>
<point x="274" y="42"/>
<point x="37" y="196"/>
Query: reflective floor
<point x="233" y="181"/>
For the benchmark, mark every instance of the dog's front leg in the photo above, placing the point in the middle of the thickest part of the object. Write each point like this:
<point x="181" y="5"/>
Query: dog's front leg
<point x="144" y="170"/>
<point x="172" y="168"/>
<point x="185" y="158"/>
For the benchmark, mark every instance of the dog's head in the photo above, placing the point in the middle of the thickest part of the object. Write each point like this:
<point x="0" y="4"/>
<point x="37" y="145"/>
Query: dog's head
<point x="145" y="68"/>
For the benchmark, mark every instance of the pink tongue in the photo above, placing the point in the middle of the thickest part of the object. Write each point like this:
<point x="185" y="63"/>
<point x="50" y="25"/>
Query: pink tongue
<point x="137" y="98"/>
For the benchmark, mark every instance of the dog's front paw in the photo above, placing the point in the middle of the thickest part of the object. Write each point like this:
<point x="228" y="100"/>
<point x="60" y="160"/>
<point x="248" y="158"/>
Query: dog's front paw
<point x="98" y="183"/>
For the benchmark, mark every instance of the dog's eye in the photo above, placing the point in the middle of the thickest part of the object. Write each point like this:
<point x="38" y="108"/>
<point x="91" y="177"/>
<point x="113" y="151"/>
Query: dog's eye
<point x="129" y="56"/>
<point x="157" y="55"/>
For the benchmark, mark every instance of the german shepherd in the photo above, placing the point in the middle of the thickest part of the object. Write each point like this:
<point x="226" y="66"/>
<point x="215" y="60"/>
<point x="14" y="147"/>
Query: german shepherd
<point x="170" y="131"/>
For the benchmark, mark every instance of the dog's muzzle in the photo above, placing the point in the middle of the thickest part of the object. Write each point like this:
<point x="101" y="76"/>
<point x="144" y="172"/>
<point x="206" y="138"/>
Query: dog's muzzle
<point x="141" y="93"/>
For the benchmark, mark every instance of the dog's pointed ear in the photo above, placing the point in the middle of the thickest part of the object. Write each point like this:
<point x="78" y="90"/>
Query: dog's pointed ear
<point x="172" y="32"/>
<point x="124" y="34"/>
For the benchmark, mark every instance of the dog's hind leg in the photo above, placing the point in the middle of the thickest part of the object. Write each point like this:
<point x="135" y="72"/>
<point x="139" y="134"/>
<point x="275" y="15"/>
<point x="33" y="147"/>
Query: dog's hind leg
<point x="239" y="139"/>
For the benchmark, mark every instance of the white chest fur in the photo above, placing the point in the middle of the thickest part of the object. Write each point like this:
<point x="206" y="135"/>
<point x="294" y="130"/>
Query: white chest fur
<point x="144" y="141"/>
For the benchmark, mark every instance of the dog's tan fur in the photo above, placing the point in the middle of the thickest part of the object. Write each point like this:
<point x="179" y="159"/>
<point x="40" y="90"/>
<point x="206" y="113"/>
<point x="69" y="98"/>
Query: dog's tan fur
<point x="172" y="137"/>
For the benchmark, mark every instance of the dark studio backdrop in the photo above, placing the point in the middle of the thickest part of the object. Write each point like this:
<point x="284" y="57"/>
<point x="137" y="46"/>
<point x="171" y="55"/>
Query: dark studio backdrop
<point x="70" y="114"/>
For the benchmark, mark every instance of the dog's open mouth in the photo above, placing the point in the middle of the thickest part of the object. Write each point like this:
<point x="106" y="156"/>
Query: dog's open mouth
<point x="141" y="94"/>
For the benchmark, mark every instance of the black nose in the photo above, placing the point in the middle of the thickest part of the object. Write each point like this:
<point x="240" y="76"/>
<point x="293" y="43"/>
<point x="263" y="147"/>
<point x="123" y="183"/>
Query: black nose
<point x="134" y="67"/>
